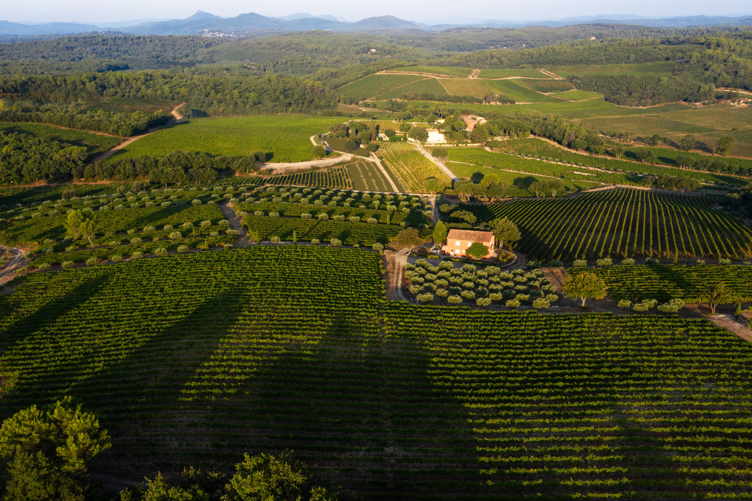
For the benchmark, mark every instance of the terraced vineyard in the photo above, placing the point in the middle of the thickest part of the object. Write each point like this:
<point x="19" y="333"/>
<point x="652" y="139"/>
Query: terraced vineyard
<point x="625" y="223"/>
<point x="663" y="281"/>
<point x="198" y="358"/>
<point x="411" y="170"/>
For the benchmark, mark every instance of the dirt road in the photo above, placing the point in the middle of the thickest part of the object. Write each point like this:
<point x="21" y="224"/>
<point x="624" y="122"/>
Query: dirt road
<point x="177" y="116"/>
<point x="235" y="224"/>
<point x="441" y="165"/>
<point x="18" y="260"/>
<point x="395" y="270"/>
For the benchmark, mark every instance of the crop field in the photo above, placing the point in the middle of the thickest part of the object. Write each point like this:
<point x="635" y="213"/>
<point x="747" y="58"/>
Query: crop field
<point x="465" y="162"/>
<point x="657" y="68"/>
<point x="535" y="148"/>
<point x="294" y="347"/>
<point x="421" y="87"/>
<point x="455" y="71"/>
<point x="373" y="85"/>
<point x="367" y="176"/>
<point x="547" y="85"/>
<point x="94" y="143"/>
<point x="331" y="177"/>
<point x="576" y="95"/>
<point x="707" y="124"/>
<point x="411" y="170"/>
<point x="625" y="223"/>
<point x="285" y="136"/>
<point x="511" y="72"/>
<point x="666" y="281"/>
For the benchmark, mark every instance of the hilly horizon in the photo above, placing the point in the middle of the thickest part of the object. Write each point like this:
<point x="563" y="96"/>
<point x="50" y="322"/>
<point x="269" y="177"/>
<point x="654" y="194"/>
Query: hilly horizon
<point x="253" y="23"/>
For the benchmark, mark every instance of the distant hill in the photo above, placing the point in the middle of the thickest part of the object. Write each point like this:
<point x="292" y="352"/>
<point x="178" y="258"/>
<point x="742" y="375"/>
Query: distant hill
<point x="9" y="28"/>
<point x="251" y="24"/>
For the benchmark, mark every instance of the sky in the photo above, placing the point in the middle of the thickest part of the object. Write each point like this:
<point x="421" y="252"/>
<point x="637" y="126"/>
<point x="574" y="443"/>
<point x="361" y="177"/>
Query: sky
<point x="417" y="10"/>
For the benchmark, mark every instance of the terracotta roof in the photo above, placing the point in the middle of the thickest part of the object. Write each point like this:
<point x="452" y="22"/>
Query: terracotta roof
<point x="484" y="237"/>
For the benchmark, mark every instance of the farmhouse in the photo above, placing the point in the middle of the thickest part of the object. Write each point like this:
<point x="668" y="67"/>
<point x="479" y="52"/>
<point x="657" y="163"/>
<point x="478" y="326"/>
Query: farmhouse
<point x="458" y="241"/>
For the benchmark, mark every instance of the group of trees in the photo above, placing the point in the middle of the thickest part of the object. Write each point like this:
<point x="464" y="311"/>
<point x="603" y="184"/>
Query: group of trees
<point x="26" y="158"/>
<point x="646" y="90"/>
<point x="46" y="453"/>
<point x="80" y="115"/>
<point x="176" y="168"/>
<point x="353" y="136"/>
<point x="505" y="231"/>
<point x="213" y="94"/>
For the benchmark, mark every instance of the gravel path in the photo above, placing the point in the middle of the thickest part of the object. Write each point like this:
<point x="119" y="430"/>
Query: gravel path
<point x="10" y="269"/>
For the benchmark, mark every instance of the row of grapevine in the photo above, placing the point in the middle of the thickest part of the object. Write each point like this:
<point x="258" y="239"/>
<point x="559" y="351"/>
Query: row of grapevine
<point x="625" y="223"/>
<point x="666" y="281"/>
<point x="411" y="170"/>
<point x="200" y="357"/>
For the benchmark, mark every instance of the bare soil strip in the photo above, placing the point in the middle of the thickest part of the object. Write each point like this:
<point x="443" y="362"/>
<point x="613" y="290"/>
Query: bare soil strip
<point x="441" y="165"/>
<point x="9" y="271"/>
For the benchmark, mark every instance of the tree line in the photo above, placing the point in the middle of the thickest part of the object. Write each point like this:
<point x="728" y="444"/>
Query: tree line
<point x="211" y="94"/>
<point x="82" y="116"/>
<point x="26" y="158"/>
<point x="646" y="90"/>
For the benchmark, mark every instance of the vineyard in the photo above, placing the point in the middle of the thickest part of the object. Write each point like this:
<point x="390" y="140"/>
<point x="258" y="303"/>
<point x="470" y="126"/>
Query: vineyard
<point x="663" y="281"/>
<point x="627" y="223"/>
<point x="411" y="170"/>
<point x="197" y="358"/>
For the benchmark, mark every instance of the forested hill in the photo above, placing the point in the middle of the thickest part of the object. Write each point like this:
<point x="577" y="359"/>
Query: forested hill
<point x="101" y="51"/>
<point x="210" y="94"/>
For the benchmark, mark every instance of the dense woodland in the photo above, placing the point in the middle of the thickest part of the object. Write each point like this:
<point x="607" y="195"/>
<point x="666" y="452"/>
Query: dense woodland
<point x="632" y="90"/>
<point x="26" y="158"/>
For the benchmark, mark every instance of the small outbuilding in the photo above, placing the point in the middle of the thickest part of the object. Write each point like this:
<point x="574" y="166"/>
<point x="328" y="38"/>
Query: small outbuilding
<point x="458" y="241"/>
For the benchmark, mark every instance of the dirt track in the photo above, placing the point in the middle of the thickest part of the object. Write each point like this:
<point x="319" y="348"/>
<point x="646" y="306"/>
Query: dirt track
<point x="10" y="269"/>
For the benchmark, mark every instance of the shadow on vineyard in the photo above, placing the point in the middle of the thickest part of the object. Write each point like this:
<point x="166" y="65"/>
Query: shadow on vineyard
<point x="180" y="350"/>
<point x="49" y="313"/>
<point x="154" y="217"/>
<point x="362" y="411"/>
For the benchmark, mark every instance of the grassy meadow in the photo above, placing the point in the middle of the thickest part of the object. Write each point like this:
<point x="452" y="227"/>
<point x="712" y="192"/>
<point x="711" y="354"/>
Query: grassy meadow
<point x="286" y="136"/>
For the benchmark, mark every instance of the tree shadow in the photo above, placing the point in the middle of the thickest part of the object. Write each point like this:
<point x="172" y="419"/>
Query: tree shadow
<point x="157" y="216"/>
<point x="51" y="312"/>
<point x="155" y="375"/>
<point x="360" y="409"/>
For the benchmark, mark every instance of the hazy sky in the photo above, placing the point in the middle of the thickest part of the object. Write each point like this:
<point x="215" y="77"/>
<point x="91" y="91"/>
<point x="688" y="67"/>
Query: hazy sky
<point x="419" y="10"/>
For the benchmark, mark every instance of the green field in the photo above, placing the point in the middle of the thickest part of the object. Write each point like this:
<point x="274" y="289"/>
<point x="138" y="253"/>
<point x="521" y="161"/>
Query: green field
<point x="286" y="136"/>
<point x="658" y="68"/>
<point x="546" y="85"/>
<point x="467" y="161"/>
<point x="511" y="72"/>
<point x="366" y="176"/>
<point x="576" y="95"/>
<point x="94" y="143"/>
<point x="455" y="71"/>
<point x="373" y="85"/>
<point x="707" y="124"/>
<point x="413" y="172"/>
<point x="624" y="223"/>
<point x="195" y="359"/>
<point x="532" y="147"/>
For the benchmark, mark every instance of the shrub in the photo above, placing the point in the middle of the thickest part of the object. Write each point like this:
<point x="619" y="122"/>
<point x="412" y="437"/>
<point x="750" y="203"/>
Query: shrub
<point x="274" y="239"/>
<point x="258" y="213"/>
<point x="92" y="261"/>
<point x="116" y="258"/>
<point x="68" y="264"/>
<point x="426" y="297"/>
<point x="483" y="301"/>
<point x="161" y="251"/>
<point x="624" y="304"/>
<point x="454" y="299"/>
<point x="183" y="248"/>
<point x="580" y="263"/>
<point x="44" y="266"/>
<point x="552" y="298"/>
<point x="724" y="260"/>
<point x="469" y="295"/>
<point x="372" y="220"/>
<point x="315" y="241"/>
<point x="168" y="227"/>
<point x="232" y="232"/>
<point x="512" y="303"/>
<point x="136" y="240"/>
<point x="604" y="261"/>
<point x="306" y="215"/>
<point x="335" y="242"/>
<point x="377" y="246"/>
<point x="628" y="261"/>
<point x="137" y="254"/>
<point x="541" y="304"/>
<point x="441" y="292"/>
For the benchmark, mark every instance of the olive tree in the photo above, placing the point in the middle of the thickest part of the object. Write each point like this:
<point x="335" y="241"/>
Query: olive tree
<point x="506" y="232"/>
<point x="584" y="286"/>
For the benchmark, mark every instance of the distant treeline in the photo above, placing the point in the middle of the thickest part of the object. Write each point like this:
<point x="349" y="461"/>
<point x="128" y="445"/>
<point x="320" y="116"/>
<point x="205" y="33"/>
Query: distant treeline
<point x="646" y="90"/>
<point x="225" y="94"/>
<point x="80" y="116"/>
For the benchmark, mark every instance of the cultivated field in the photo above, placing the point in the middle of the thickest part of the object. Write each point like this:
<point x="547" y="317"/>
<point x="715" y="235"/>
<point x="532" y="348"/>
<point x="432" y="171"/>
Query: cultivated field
<point x="625" y="223"/>
<point x="286" y="136"/>
<point x="199" y="358"/>
<point x="414" y="172"/>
